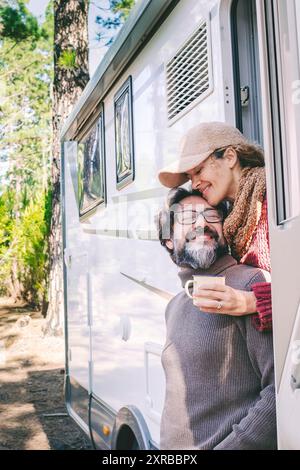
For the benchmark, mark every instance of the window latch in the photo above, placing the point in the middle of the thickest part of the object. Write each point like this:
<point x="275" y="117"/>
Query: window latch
<point x="245" y="94"/>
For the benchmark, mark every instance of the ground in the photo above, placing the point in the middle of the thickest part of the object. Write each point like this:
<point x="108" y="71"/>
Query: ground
<point x="31" y="385"/>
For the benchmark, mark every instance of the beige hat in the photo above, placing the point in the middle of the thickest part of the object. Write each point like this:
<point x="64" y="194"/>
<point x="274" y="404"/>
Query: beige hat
<point x="198" y="144"/>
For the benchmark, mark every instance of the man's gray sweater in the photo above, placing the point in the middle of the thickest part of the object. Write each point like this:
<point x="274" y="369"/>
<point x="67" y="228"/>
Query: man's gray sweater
<point x="219" y="373"/>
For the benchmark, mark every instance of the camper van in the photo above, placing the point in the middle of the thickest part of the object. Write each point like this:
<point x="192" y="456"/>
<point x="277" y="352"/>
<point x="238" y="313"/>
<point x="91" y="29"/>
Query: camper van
<point x="174" y="63"/>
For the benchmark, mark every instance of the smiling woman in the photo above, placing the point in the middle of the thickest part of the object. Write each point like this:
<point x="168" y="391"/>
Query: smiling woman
<point x="223" y="166"/>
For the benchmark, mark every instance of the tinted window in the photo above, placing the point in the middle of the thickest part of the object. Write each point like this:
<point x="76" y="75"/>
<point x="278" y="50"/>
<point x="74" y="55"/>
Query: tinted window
<point x="124" y="135"/>
<point x="91" y="177"/>
<point x="283" y="36"/>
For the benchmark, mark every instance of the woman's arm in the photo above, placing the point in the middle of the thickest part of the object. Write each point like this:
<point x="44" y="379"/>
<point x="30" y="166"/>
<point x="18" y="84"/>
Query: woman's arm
<point x="232" y="301"/>
<point x="262" y="321"/>
<point x="237" y="302"/>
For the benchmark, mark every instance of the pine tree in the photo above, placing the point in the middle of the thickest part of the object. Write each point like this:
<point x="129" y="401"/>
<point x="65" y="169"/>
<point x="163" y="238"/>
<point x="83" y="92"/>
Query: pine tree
<point x="70" y="77"/>
<point x="25" y="136"/>
<point x="119" y="11"/>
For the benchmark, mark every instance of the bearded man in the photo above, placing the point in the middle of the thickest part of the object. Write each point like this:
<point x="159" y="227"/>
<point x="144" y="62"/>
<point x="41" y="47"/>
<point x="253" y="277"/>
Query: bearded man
<point x="219" y="369"/>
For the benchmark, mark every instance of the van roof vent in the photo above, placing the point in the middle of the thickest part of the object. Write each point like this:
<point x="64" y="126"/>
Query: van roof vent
<point x="188" y="76"/>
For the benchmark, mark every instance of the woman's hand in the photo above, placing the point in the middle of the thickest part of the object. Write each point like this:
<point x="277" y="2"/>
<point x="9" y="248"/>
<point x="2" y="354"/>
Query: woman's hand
<point x="216" y="298"/>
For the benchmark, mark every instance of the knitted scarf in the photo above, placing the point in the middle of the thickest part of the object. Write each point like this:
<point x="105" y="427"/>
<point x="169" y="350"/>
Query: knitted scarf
<point x="242" y="221"/>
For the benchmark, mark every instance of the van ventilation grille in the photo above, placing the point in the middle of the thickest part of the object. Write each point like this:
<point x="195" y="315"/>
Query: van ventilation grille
<point x="188" y="73"/>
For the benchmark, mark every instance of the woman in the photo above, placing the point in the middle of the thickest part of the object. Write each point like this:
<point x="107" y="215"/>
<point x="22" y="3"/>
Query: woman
<point x="223" y="165"/>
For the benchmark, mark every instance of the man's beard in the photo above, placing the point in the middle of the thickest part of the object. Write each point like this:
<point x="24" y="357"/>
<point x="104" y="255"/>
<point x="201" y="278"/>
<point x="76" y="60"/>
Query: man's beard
<point x="199" y="257"/>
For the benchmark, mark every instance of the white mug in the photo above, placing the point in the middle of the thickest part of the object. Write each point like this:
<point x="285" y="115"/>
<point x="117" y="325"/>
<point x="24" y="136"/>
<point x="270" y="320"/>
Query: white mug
<point x="198" y="281"/>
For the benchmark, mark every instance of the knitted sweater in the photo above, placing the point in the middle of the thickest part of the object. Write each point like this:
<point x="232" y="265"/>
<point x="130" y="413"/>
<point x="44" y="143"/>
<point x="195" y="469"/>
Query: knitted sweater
<point x="258" y="255"/>
<point x="219" y="373"/>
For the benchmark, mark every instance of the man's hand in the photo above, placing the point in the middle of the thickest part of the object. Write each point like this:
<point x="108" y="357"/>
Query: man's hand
<point x="216" y="298"/>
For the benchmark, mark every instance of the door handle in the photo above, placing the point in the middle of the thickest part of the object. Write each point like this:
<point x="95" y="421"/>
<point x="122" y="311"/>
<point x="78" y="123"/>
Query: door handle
<point x="67" y="258"/>
<point x="124" y="328"/>
<point x="245" y="95"/>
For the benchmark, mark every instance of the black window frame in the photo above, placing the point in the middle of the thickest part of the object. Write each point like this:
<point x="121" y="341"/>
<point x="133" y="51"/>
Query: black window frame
<point x="255" y="79"/>
<point x="129" y="177"/>
<point x="281" y="144"/>
<point x="99" y="120"/>
<point x="277" y="124"/>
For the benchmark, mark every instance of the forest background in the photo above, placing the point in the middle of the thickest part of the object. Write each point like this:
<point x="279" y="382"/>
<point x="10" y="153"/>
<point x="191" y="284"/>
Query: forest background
<point x="32" y="77"/>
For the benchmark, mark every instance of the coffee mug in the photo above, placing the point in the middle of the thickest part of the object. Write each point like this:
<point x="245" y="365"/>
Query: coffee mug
<point x="198" y="281"/>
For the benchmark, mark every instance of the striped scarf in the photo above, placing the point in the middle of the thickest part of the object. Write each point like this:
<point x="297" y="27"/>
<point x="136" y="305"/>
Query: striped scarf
<point x="242" y="221"/>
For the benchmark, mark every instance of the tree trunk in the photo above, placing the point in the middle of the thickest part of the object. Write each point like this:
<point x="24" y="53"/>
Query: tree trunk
<point x="70" y="77"/>
<point x="14" y="287"/>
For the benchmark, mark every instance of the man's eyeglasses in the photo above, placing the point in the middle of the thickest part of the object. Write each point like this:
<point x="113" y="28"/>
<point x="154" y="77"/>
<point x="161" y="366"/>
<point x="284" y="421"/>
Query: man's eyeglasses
<point x="189" y="217"/>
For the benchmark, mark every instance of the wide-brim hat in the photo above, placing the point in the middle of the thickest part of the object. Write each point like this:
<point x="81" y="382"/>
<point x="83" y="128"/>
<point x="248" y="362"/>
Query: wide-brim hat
<point x="196" y="146"/>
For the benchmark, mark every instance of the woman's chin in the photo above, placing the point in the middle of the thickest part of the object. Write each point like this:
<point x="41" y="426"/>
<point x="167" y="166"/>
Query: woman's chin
<point x="213" y="200"/>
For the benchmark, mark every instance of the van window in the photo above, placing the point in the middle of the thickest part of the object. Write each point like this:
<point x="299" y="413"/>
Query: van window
<point x="246" y="69"/>
<point x="284" y="63"/>
<point x="124" y="135"/>
<point x="91" y="167"/>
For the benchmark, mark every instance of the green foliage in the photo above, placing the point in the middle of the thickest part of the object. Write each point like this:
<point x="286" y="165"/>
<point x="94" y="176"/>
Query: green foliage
<point x="67" y="59"/>
<point x="17" y="23"/>
<point x="120" y="10"/>
<point x="6" y="221"/>
<point x="26" y="75"/>
<point x="24" y="244"/>
<point x="122" y="7"/>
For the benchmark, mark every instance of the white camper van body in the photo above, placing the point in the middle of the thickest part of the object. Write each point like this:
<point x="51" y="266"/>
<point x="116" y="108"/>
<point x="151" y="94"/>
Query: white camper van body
<point x="117" y="278"/>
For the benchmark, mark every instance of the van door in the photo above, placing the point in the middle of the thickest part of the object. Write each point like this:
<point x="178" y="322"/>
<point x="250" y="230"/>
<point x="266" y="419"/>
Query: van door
<point x="78" y="320"/>
<point x="279" y="24"/>
<point x="76" y="287"/>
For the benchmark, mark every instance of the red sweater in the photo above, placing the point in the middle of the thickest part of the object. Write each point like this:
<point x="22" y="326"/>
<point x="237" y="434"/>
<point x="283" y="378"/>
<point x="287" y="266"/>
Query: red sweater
<point x="258" y="255"/>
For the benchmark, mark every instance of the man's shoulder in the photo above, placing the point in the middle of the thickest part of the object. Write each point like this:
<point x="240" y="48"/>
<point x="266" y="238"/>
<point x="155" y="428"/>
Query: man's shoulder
<point x="242" y="276"/>
<point x="178" y="298"/>
<point x="178" y="302"/>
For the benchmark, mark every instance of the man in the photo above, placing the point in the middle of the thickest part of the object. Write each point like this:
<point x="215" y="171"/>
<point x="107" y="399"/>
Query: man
<point x="223" y="165"/>
<point x="219" y="369"/>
